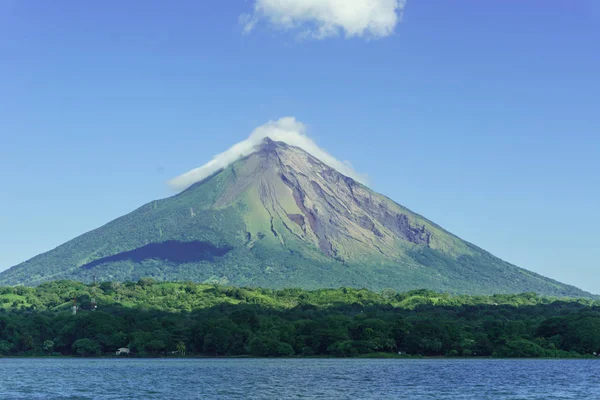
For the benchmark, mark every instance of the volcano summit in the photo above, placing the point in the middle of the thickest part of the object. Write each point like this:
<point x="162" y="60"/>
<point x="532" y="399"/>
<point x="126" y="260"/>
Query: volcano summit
<point x="280" y="217"/>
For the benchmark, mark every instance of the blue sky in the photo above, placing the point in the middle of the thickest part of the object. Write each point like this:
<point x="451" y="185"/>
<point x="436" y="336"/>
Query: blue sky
<point x="483" y="116"/>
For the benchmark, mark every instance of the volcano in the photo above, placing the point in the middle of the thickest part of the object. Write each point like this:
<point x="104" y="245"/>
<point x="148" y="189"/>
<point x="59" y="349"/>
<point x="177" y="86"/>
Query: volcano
<point x="276" y="218"/>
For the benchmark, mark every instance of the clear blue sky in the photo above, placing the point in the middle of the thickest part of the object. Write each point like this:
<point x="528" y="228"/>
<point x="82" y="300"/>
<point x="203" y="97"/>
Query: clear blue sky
<point x="483" y="116"/>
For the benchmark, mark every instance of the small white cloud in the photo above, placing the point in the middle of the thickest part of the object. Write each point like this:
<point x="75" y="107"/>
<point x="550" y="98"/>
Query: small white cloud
<point x="324" y="18"/>
<point x="287" y="130"/>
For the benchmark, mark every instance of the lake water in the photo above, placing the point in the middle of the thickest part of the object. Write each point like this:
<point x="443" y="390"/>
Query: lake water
<point x="298" y="378"/>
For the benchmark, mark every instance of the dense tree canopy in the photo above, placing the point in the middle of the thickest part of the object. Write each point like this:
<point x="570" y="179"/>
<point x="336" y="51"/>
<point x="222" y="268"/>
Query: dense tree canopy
<point x="155" y="319"/>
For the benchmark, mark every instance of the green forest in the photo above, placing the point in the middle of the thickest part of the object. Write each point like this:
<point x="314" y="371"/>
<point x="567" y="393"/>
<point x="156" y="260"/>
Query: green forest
<point x="188" y="319"/>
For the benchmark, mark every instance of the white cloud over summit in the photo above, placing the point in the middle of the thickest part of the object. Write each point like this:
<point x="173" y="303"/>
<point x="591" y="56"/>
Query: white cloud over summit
<point x="287" y="130"/>
<point x="324" y="18"/>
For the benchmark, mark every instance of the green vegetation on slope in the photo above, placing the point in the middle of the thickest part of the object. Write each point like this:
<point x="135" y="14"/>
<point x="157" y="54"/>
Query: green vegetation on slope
<point x="155" y="319"/>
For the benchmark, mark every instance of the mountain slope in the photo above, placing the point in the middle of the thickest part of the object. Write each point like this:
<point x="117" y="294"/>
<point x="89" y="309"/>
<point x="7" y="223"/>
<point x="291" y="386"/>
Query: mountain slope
<point x="281" y="218"/>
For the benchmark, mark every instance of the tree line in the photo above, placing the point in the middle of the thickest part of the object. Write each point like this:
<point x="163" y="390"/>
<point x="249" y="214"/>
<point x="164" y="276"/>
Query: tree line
<point x="184" y="318"/>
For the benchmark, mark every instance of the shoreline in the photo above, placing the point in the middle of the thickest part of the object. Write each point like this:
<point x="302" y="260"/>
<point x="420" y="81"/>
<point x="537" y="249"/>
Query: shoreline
<point x="363" y="357"/>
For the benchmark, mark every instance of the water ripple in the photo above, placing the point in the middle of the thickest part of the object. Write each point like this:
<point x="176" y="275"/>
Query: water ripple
<point x="298" y="379"/>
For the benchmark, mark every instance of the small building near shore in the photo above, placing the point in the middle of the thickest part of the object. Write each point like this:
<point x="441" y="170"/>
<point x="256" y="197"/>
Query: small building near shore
<point x="122" y="350"/>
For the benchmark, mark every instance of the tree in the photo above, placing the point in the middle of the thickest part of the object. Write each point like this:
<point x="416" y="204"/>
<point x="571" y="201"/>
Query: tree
<point x="116" y="341"/>
<point x="139" y="341"/>
<point x="272" y="323"/>
<point x="48" y="346"/>
<point x="86" y="347"/>
<point x="215" y="344"/>
<point x="264" y="345"/>
<point x="181" y="348"/>
<point x="285" y="350"/>
<point x="521" y="348"/>
<point x="5" y="346"/>
<point x="584" y="334"/>
<point x="27" y="342"/>
<point x="146" y="282"/>
<point x="156" y="345"/>
<point x="344" y="348"/>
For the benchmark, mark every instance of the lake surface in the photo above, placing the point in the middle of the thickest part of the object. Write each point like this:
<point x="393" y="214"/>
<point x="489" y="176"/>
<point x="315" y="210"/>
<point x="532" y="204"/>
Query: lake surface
<point x="298" y="379"/>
